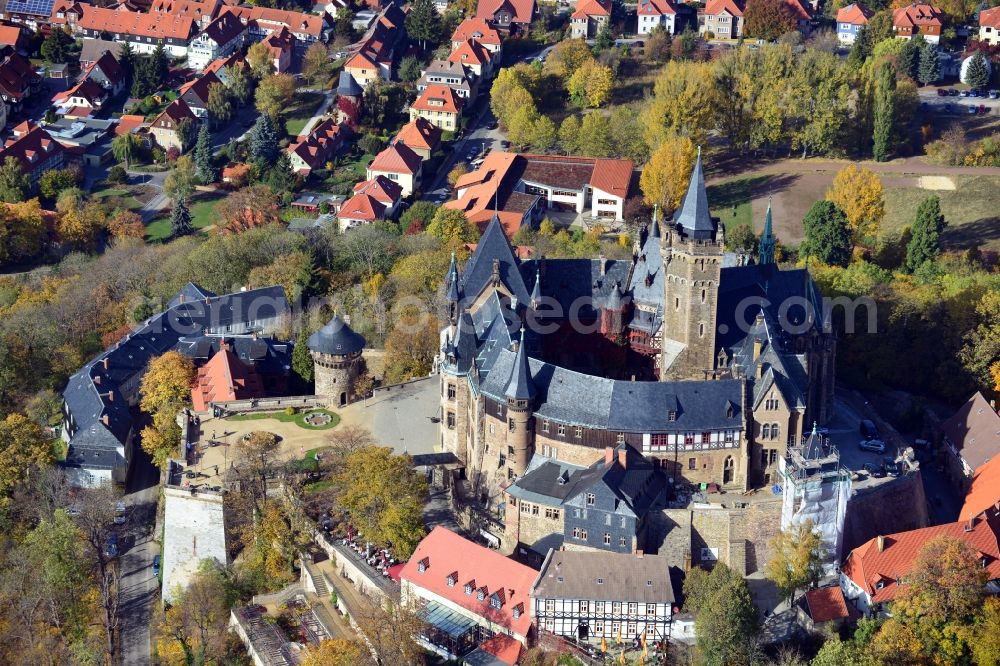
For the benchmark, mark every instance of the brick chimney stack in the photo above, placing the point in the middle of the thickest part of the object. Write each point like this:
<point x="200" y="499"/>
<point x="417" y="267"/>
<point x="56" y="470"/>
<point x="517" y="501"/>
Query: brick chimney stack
<point x="609" y="455"/>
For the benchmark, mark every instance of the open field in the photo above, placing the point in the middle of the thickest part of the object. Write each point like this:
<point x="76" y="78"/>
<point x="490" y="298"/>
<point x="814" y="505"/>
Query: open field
<point x="202" y="216"/>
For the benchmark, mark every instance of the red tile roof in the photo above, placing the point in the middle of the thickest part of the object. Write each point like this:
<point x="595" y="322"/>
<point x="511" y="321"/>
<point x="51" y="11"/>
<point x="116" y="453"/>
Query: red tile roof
<point x="176" y="111"/>
<point x="854" y="14"/>
<point x="109" y="66"/>
<point x="194" y="9"/>
<point x="655" y="8"/>
<point x="870" y="567"/>
<point x="916" y="16"/>
<point x="800" y="10"/>
<point x="503" y="647"/>
<point x="371" y="199"/>
<point x="990" y="18"/>
<point x="470" y="52"/>
<point x="445" y="554"/>
<point x="234" y="60"/>
<point x="16" y="74"/>
<point x="381" y="188"/>
<point x="984" y="492"/>
<point x="396" y="158"/>
<point x="199" y="87"/>
<point x="438" y="98"/>
<point x="154" y="26"/>
<point x="280" y="41"/>
<point x="585" y="8"/>
<point x="88" y="89"/>
<point x="716" y="7"/>
<point x="9" y="35"/>
<point x="129" y="123"/>
<point x="476" y="28"/>
<point x="298" y="22"/>
<point x="522" y="10"/>
<point x="225" y="29"/>
<point x="319" y="145"/>
<point x="420" y="133"/>
<point x="826" y="603"/>
<point x="30" y="146"/>
<point x="974" y="430"/>
<point x="225" y="378"/>
<point x="612" y="176"/>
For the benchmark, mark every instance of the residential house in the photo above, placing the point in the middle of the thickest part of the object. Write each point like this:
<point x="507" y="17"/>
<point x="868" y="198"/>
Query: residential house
<point x="202" y="12"/>
<point x="653" y="13"/>
<point x="306" y="28"/>
<point x="224" y="378"/>
<point x="984" y="491"/>
<point x="93" y="49"/>
<point x="281" y="44"/>
<point x="507" y="15"/>
<point x="476" y="58"/>
<point x="521" y="186"/>
<point x="65" y="14"/>
<point x="479" y="30"/>
<point x="220" y="38"/>
<point x="421" y="136"/>
<point x="850" y="20"/>
<point x="107" y="72"/>
<point x="81" y="100"/>
<point x="874" y="573"/>
<point x="312" y="151"/>
<point x="164" y="126"/>
<point x="375" y="199"/>
<point x="98" y="425"/>
<point x="440" y="105"/>
<point x="3" y="114"/>
<point x="399" y="164"/>
<point x="144" y="32"/>
<point x="35" y="150"/>
<point x="589" y="17"/>
<point x="468" y="595"/>
<point x="375" y="54"/>
<point x="13" y="36"/>
<point x="596" y="597"/>
<point x="130" y="123"/>
<point x="824" y="608"/>
<point x="452" y="74"/>
<point x="972" y="438"/>
<point x="221" y="66"/>
<point x="918" y="18"/>
<point x="195" y="93"/>
<point x="989" y="26"/>
<point x="722" y="18"/>
<point x="31" y="13"/>
<point x="18" y="79"/>
<point x="802" y="13"/>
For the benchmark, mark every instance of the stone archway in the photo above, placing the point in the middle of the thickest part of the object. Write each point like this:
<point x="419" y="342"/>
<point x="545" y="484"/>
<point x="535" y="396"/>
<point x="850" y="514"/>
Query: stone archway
<point x="727" y="471"/>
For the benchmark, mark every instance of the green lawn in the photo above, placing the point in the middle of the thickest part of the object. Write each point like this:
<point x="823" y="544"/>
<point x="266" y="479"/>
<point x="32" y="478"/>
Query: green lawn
<point x="724" y="196"/>
<point x="318" y="486"/>
<point x="301" y="111"/>
<point x="298" y="418"/>
<point x="970" y="209"/>
<point x="202" y="215"/>
<point x="351" y="170"/>
<point x="117" y="197"/>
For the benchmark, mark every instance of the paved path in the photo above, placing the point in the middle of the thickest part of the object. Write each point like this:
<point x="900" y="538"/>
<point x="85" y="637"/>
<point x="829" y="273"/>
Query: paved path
<point x="320" y="110"/>
<point x="158" y="203"/>
<point x="400" y="417"/>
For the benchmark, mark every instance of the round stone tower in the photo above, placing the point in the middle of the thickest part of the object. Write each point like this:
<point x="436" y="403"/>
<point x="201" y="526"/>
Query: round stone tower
<point x="336" y="353"/>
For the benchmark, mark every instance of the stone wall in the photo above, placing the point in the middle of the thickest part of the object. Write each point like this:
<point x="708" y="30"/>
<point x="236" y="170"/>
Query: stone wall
<point x="739" y="536"/>
<point x="896" y="506"/>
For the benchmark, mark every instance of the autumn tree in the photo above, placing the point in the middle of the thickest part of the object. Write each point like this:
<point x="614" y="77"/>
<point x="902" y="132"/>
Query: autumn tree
<point x="884" y="112"/>
<point x="166" y="382"/>
<point x="293" y="271"/>
<point x="126" y="224"/>
<point x="22" y="231"/>
<point x="258" y="453"/>
<point x="274" y="94"/>
<point x="249" y="208"/>
<point x="316" y="64"/>
<point x="797" y="559"/>
<point x="179" y="184"/>
<point x="726" y="623"/>
<point x="125" y="147"/>
<point x="665" y="177"/>
<point x="594" y="139"/>
<point x="336" y="652"/>
<point x="566" y="57"/>
<point x="260" y="60"/>
<point x="384" y="496"/>
<point x="79" y="226"/>
<point x="219" y="104"/>
<point x="195" y="624"/>
<point x="410" y="348"/>
<point x="858" y="192"/>
<point x="569" y="134"/>
<point x="23" y="446"/>
<point x="768" y="19"/>
<point x="14" y="182"/>
<point x="682" y="103"/>
<point x="391" y="629"/>
<point x="456" y="172"/>
<point x="985" y="641"/>
<point x="828" y="236"/>
<point x="451" y="227"/>
<point x="591" y="84"/>
<point x="925" y="243"/>
<point x="239" y="84"/>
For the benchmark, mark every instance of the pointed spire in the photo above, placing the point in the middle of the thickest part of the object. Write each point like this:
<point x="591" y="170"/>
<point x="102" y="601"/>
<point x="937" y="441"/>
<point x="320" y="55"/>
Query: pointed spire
<point x="520" y="385"/>
<point x="614" y="301"/>
<point x="454" y="288"/>
<point x="765" y="255"/>
<point x="536" y="291"/>
<point x="654" y="226"/>
<point x="693" y="214"/>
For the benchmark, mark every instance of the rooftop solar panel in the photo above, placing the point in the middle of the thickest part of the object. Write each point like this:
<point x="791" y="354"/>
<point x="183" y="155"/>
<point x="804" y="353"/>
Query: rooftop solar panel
<point x="34" y="7"/>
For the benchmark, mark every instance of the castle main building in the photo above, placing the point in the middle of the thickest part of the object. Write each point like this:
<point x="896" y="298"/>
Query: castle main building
<point x="707" y="363"/>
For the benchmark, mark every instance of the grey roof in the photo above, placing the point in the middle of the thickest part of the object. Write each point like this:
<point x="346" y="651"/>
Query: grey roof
<point x="520" y="385"/>
<point x="812" y="448"/>
<point x="190" y="292"/>
<point x="646" y="283"/>
<point x="347" y="86"/>
<point x="266" y="354"/>
<point x="93" y="49"/>
<point x="454" y="293"/>
<point x="569" y="574"/>
<point x="536" y="289"/>
<point x="766" y="251"/>
<point x="546" y="481"/>
<point x="637" y="485"/>
<point x="568" y="280"/>
<point x="693" y="215"/>
<point x="336" y="338"/>
<point x="614" y="300"/>
<point x="478" y="273"/>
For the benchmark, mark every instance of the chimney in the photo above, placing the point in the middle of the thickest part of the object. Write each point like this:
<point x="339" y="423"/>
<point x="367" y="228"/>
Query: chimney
<point x="687" y="561"/>
<point x="970" y="524"/>
<point x="757" y="344"/>
<point x="105" y="362"/>
<point x="97" y="380"/>
<point x="881" y="543"/>
<point x="602" y="263"/>
<point x="541" y="266"/>
<point x="106" y="420"/>
<point x="609" y="455"/>
<point x="111" y="396"/>
<point x="623" y="457"/>
<point x="638" y="553"/>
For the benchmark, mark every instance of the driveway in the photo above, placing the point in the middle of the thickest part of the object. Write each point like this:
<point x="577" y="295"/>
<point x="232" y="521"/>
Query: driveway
<point x="477" y="136"/>
<point x="155" y="180"/>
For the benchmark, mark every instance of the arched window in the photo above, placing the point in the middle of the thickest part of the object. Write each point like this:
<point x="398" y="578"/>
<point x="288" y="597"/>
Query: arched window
<point x="775" y="431"/>
<point x="766" y="431"/>
<point x="701" y="330"/>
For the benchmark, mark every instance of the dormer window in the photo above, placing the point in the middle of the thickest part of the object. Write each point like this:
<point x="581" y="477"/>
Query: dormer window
<point x="879" y="585"/>
<point x="481" y="594"/>
<point x="468" y="589"/>
<point x="495" y="601"/>
<point x="591" y="499"/>
<point x="517" y="611"/>
<point x="423" y="564"/>
<point x="671" y="416"/>
<point x="452" y="579"/>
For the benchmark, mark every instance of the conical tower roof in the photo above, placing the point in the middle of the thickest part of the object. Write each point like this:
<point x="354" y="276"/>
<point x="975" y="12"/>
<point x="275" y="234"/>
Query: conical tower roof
<point x="336" y="338"/>
<point x="693" y="214"/>
<point x="454" y="287"/>
<point x="520" y="386"/>
<point x="767" y="241"/>
<point x="536" y="291"/>
<point x="347" y="86"/>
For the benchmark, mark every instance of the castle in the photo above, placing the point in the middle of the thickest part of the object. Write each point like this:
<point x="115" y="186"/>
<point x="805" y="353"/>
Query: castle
<point x="707" y="363"/>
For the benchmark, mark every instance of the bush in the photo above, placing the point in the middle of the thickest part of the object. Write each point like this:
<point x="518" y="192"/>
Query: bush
<point x="290" y="411"/>
<point x="709" y="34"/>
<point x="117" y="174"/>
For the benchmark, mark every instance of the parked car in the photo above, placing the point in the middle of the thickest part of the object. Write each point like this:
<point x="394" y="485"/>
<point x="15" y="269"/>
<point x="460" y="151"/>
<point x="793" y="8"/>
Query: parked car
<point x="948" y="108"/>
<point x="874" y="470"/>
<point x="994" y="94"/>
<point x="119" y="513"/>
<point x="941" y="92"/>
<point x="156" y="565"/>
<point x="963" y="93"/>
<point x="983" y="109"/>
<point x="953" y="93"/>
<point x="873" y="445"/>
<point x="493" y="125"/>
<point x="973" y="93"/>
<point x="973" y="110"/>
<point x="111" y="547"/>
<point x="891" y="466"/>
<point x="867" y="429"/>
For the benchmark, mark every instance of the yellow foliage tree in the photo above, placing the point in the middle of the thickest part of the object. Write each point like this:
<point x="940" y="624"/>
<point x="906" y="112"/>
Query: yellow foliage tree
<point x="78" y="227"/>
<point x="591" y="84"/>
<point x="520" y="127"/>
<point x="22" y="445"/>
<point x="336" y="652"/>
<point x="22" y="230"/>
<point x="895" y="643"/>
<point x="161" y="440"/>
<point x="858" y="192"/>
<point x="567" y="57"/>
<point x="260" y="59"/>
<point x="410" y="348"/>
<point x="665" y="178"/>
<point x="274" y="94"/>
<point x="683" y="102"/>
<point x="451" y="227"/>
<point x="167" y="382"/>
<point x="126" y="224"/>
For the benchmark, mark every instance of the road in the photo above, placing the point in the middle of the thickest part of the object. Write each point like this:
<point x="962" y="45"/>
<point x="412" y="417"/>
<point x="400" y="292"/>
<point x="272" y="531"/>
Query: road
<point x="139" y="589"/>
<point x="477" y="136"/>
<point x="154" y="179"/>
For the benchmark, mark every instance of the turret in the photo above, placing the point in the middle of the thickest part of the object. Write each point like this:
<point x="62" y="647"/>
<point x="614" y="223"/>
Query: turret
<point x="520" y="394"/>
<point x="768" y="243"/>
<point x="536" y="291"/>
<point x="336" y="353"/>
<point x="613" y="313"/>
<point x="453" y="291"/>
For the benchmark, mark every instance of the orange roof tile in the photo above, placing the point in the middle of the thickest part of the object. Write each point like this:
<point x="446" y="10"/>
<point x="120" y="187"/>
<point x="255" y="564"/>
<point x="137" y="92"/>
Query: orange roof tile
<point x="225" y="378"/>
<point x="158" y="26"/>
<point x="916" y="15"/>
<point x="438" y="98"/>
<point x="444" y="553"/>
<point x="612" y="176"/>
<point x="826" y="603"/>
<point x="503" y="647"/>
<point x="716" y="7"/>
<point x="128" y="123"/>
<point x="381" y="188"/>
<point x="9" y="34"/>
<point x="984" y="492"/>
<point x="990" y="18"/>
<point x="396" y="158"/>
<point x="478" y="29"/>
<point x="876" y="570"/>
<point x="420" y="133"/>
<point x="470" y="52"/>
<point x="523" y="10"/>
<point x="853" y="14"/>
<point x="585" y="8"/>
<point x="655" y="8"/>
<point x="298" y="22"/>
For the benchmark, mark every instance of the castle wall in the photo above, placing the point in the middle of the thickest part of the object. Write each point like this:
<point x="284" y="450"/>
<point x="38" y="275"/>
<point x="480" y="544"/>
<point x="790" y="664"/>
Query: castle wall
<point x="894" y="506"/>
<point x="334" y="376"/>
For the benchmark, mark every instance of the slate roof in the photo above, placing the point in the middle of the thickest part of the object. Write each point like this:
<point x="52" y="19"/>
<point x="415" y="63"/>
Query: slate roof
<point x="520" y="386"/>
<point x="545" y="481"/>
<point x="974" y="431"/>
<point x="693" y="215"/>
<point x="268" y="355"/>
<point x="567" y="280"/>
<point x="190" y="292"/>
<point x="478" y="272"/>
<point x="572" y="574"/>
<point x="347" y="86"/>
<point x="336" y="338"/>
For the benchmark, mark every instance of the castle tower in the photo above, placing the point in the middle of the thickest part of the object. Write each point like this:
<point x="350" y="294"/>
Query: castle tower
<point x="520" y="394"/>
<point x="692" y="255"/>
<point x="336" y="353"/>
<point x="768" y="244"/>
<point x="613" y="314"/>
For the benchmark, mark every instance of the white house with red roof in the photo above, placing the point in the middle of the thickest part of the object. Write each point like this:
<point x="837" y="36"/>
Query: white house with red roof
<point x="108" y="73"/>
<point x="475" y="57"/>
<point x="439" y="105"/>
<point x="874" y="573"/>
<point x="989" y="26"/>
<point x="850" y="20"/>
<point x="35" y="150"/>
<point x="722" y="18"/>
<point x="479" y="30"/>
<point x="220" y="38"/>
<point x="421" y="136"/>
<point x="918" y="18"/>
<point x="507" y="14"/>
<point x="399" y="164"/>
<point x="653" y="13"/>
<point x="588" y="18"/>
<point x="375" y="199"/>
<point x="312" y="151"/>
<point x="470" y="598"/>
<point x="81" y="100"/>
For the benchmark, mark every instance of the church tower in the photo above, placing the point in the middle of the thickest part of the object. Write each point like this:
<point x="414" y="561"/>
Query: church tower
<point x="692" y="256"/>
